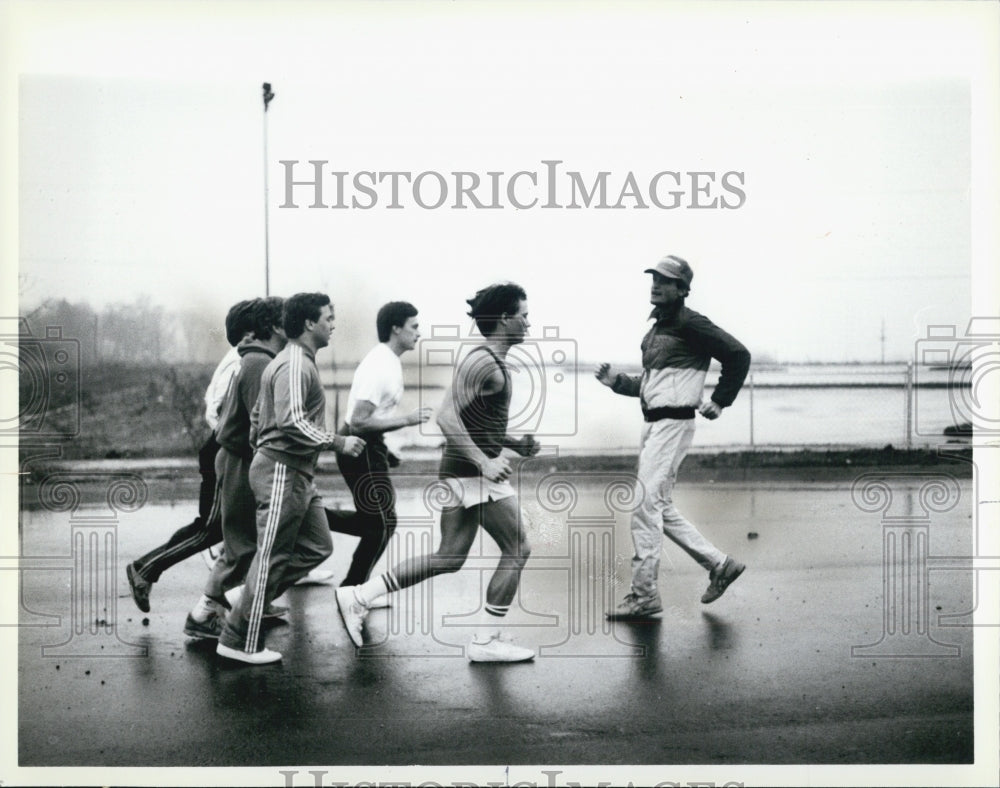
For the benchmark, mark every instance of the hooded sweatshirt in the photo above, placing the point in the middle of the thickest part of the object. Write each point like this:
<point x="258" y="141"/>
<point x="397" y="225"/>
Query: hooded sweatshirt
<point x="233" y="432"/>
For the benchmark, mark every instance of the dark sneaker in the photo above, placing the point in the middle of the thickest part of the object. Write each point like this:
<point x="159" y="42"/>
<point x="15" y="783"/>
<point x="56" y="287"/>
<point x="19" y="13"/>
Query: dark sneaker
<point x="140" y="588"/>
<point x="636" y="608"/>
<point x="720" y="579"/>
<point x="210" y="628"/>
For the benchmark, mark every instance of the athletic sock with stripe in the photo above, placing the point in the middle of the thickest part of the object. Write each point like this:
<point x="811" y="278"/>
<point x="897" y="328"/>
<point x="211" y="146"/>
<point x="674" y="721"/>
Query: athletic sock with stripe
<point x="371" y="590"/>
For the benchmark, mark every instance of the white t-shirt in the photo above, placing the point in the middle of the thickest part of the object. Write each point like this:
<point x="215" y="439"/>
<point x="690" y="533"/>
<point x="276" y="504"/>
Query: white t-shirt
<point x="216" y="391"/>
<point x="378" y="380"/>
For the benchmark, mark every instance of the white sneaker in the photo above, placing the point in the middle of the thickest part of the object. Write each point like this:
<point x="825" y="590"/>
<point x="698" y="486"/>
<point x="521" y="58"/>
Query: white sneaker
<point x="316" y="577"/>
<point x="379" y="603"/>
<point x="262" y="657"/>
<point x="498" y="650"/>
<point x="352" y="613"/>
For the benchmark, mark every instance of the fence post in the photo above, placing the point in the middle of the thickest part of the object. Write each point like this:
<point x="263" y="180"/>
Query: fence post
<point x="751" y="412"/>
<point x="908" y="389"/>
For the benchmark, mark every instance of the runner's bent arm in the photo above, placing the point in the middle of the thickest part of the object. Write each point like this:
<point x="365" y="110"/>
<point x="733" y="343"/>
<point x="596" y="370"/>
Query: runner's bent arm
<point x="362" y="419"/>
<point x="289" y="395"/>
<point x="620" y="383"/>
<point x="730" y="352"/>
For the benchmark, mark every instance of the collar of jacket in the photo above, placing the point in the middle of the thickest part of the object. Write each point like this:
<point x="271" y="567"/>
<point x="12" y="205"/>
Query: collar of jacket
<point x="308" y="352"/>
<point x="660" y="314"/>
<point x="254" y="346"/>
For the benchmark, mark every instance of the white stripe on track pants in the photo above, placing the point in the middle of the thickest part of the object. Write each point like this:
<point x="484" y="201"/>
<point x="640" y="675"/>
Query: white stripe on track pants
<point x="664" y="446"/>
<point x="292" y="537"/>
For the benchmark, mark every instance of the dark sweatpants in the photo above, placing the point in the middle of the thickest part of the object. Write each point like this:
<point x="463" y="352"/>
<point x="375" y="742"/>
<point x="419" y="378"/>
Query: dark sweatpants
<point x="239" y="525"/>
<point x="200" y="534"/>
<point x="374" y="518"/>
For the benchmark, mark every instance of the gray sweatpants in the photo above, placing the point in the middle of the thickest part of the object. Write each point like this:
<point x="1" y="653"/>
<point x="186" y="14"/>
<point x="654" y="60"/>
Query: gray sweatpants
<point x="292" y="538"/>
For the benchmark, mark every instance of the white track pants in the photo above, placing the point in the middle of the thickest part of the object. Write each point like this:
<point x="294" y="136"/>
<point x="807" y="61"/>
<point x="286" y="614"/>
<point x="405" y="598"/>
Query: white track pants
<point x="664" y="445"/>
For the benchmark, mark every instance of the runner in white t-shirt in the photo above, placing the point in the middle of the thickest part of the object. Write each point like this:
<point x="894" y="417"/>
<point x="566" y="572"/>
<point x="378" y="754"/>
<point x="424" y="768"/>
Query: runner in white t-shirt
<point x="376" y="390"/>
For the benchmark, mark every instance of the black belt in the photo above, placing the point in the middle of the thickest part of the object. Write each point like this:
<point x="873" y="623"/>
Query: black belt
<point x="655" y="414"/>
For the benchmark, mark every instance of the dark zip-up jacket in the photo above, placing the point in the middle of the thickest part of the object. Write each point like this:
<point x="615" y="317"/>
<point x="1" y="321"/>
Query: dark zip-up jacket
<point x="676" y="353"/>
<point x="233" y="432"/>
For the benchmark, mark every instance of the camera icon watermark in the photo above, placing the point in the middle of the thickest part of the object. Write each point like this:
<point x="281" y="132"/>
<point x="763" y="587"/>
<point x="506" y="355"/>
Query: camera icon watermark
<point x="48" y="371"/>
<point x="543" y="370"/>
<point x="966" y="367"/>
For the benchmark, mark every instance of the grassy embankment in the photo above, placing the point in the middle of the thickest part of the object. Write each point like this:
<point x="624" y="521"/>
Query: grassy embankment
<point x="114" y="411"/>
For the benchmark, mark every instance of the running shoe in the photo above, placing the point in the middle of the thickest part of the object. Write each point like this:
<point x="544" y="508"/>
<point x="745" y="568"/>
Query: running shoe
<point x="140" y="587"/>
<point x="379" y="603"/>
<point x="497" y="649"/>
<point x="263" y="657"/>
<point x="352" y="613"/>
<point x="210" y="628"/>
<point x="636" y="608"/>
<point x="720" y="579"/>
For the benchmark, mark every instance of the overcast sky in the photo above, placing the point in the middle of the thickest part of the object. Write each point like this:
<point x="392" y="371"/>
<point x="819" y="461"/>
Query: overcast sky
<point x="141" y="161"/>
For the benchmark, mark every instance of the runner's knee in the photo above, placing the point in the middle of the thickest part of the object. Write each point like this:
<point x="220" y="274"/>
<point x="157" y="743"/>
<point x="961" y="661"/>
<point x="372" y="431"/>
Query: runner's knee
<point x="524" y="554"/>
<point x="446" y="564"/>
<point x="518" y="553"/>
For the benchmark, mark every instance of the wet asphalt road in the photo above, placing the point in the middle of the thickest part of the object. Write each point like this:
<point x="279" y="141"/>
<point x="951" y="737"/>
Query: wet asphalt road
<point x="765" y="675"/>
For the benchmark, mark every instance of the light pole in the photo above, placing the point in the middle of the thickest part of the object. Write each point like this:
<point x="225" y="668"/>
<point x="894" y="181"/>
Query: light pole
<point x="268" y="95"/>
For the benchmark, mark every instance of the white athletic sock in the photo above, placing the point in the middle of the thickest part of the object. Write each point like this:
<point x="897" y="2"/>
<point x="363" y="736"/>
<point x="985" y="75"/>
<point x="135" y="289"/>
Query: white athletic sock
<point x="371" y="590"/>
<point x="488" y="622"/>
<point x="233" y="596"/>
<point x="203" y="609"/>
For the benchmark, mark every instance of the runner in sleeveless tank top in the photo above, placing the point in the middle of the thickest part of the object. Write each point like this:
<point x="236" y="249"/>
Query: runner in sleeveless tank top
<point x="473" y="418"/>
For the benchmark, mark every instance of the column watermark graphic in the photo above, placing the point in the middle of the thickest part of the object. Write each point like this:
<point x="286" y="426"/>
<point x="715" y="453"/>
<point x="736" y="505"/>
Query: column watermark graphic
<point x="906" y="521"/>
<point x="93" y="561"/>
<point x="911" y="505"/>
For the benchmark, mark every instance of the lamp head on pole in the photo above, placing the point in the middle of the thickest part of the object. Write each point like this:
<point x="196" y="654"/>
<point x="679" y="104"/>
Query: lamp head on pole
<point x="268" y="95"/>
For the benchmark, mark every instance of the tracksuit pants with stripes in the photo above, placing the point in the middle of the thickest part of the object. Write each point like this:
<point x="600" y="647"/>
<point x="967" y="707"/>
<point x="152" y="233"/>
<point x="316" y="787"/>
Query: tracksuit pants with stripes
<point x="200" y="534"/>
<point x="292" y="538"/>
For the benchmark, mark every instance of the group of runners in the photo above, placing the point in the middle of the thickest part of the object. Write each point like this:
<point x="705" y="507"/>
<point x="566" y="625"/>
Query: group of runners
<point x="267" y="409"/>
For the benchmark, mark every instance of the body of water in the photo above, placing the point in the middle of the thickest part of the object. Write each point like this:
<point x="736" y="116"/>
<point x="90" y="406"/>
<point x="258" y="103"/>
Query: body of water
<point x="786" y="406"/>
